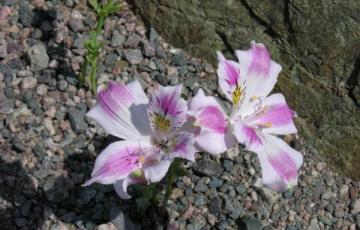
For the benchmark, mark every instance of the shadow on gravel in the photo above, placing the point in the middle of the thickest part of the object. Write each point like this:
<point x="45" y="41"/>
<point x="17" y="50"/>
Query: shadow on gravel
<point x="30" y="203"/>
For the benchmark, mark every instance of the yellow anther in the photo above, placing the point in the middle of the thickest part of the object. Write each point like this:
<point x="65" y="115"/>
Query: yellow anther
<point x="267" y="125"/>
<point x="162" y="124"/>
<point x="237" y="95"/>
<point x="141" y="159"/>
<point x="253" y="98"/>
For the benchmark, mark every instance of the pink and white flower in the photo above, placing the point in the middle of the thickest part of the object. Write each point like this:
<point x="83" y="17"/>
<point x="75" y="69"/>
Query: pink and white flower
<point x="150" y="129"/>
<point x="256" y="117"/>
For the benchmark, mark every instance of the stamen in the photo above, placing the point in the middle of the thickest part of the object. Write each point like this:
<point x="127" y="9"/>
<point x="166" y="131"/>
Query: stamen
<point x="238" y="95"/>
<point x="162" y="124"/>
<point x="253" y="98"/>
<point x="141" y="159"/>
<point x="267" y="125"/>
<point x="262" y="125"/>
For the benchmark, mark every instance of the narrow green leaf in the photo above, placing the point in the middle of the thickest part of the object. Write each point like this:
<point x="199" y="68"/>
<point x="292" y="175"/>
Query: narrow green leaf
<point x="94" y="4"/>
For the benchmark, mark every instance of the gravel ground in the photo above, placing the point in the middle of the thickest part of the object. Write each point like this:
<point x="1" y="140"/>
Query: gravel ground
<point x="48" y="147"/>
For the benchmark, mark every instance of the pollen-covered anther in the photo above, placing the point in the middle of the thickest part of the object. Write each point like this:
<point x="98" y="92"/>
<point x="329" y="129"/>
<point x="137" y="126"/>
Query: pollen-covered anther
<point x="267" y="125"/>
<point x="237" y="95"/>
<point x="253" y="98"/>
<point x="264" y="125"/>
<point x="141" y="159"/>
<point x="162" y="124"/>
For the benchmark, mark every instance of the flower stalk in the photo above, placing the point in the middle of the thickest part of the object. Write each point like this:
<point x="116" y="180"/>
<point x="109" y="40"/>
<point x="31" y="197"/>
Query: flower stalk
<point x="170" y="179"/>
<point x="93" y="45"/>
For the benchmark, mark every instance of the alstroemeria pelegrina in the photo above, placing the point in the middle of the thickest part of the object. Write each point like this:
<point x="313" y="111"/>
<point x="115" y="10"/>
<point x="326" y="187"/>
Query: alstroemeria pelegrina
<point x="151" y="132"/>
<point x="256" y="117"/>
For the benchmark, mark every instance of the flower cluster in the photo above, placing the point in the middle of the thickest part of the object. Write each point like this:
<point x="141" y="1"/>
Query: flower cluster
<point x="158" y="129"/>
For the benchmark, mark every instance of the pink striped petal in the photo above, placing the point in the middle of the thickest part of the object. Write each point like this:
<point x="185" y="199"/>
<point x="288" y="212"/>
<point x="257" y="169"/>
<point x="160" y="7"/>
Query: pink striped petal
<point x="121" y="111"/>
<point x="260" y="71"/>
<point x="166" y="111"/>
<point x="247" y="136"/>
<point x="117" y="161"/>
<point x="208" y="113"/>
<point x="273" y="116"/>
<point x="229" y="79"/>
<point x="212" y="121"/>
<point x="122" y="185"/>
<point x="183" y="146"/>
<point x="279" y="163"/>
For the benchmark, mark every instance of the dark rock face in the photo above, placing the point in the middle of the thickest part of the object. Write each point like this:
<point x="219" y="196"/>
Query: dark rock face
<point x="316" y="42"/>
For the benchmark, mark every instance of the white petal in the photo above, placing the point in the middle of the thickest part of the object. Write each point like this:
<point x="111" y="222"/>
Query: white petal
<point x="215" y="143"/>
<point x="157" y="171"/>
<point x="119" y="112"/>
<point x="122" y="185"/>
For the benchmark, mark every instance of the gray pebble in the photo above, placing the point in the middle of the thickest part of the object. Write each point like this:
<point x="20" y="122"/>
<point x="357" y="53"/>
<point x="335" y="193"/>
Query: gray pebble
<point x="38" y="56"/>
<point x="25" y="14"/>
<point x="208" y="168"/>
<point x="18" y="146"/>
<point x="25" y="208"/>
<point x="62" y="85"/>
<point x="132" y="41"/>
<point x="77" y="122"/>
<point x="357" y="218"/>
<point x="133" y="56"/>
<point x="178" y="60"/>
<point x="250" y="223"/>
<point x="117" y="39"/>
<point x="148" y="49"/>
<point x="215" y="183"/>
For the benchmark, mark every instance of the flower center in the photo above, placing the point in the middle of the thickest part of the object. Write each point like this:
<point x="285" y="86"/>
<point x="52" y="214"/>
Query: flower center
<point x="237" y="95"/>
<point x="162" y="124"/>
<point x="167" y="146"/>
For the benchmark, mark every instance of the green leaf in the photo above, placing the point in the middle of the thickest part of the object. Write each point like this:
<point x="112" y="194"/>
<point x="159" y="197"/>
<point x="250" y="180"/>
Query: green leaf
<point x="180" y="171"/>
<point x="94" y="4"/>
<point x="110" y="8"/>
<point x="147" y="195"/>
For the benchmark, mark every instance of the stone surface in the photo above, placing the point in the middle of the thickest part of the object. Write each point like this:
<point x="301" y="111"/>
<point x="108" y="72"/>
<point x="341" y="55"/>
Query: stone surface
<point x="121" y="221"/>
<point x="316" y="42"/>
<point x="355" y="207"/>
<point x="28" y="83"/>
<point x="38" y="56"/>
<point x="250" y="223"/>
<point x="208" y="168"/>
<point x="77" y="121"/>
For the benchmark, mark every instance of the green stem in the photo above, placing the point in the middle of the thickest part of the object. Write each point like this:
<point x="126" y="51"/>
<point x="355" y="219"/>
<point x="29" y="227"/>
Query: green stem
<point x="93" y="76"/>
<point x="100" y="24"/>
<point x="169" y="181"/>
<point x="83" y="72"/>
